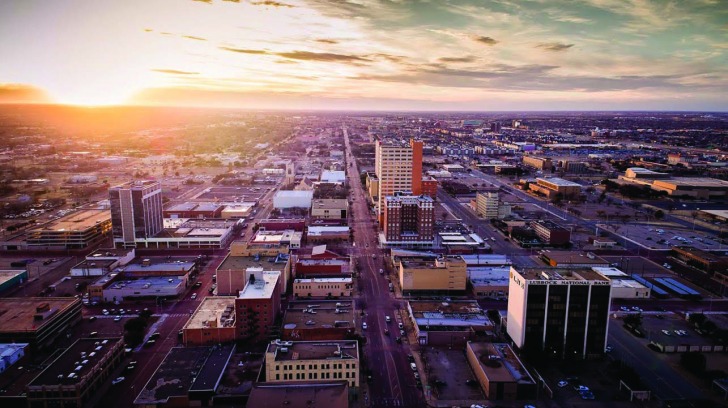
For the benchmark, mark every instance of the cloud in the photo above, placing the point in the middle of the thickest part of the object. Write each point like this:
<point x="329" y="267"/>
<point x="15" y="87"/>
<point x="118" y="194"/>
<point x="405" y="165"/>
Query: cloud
<point x="204" y="1"/>
<point x="484" y="40"/>
<point x="327" y="41"/>
<point x="468" y="58"/>
<point x="192" y="37"/>
<point x="321" y="56"/>
<point x="148" y="30"/>
<point x="271" y="3"/>
<point x="174" y="71"/>
<point x="22" y="93"/>
<point x="245" y="51"/>
<point x="554" y="46"/>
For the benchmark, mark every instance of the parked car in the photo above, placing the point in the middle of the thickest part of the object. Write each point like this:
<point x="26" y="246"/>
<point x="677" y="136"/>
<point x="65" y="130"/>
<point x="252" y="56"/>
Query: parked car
<point x="117" y="380"/>
<point x="562" y="384"/>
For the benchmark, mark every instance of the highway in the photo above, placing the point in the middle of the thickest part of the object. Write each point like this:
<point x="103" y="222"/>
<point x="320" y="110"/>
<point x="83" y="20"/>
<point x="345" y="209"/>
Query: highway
<point x="392" y="383"/>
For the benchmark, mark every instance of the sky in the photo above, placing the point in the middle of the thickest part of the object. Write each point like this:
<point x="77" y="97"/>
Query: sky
<point x="368" y="54"/>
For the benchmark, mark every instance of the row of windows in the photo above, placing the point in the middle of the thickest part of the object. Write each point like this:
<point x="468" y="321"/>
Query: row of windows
<point x="315" y="376"/>
<point x="326" y="366"/>
<point x="299" y="287"/>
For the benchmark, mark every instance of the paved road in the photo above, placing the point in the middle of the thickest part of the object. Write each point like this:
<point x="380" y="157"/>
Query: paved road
<point x="392" y="384"/>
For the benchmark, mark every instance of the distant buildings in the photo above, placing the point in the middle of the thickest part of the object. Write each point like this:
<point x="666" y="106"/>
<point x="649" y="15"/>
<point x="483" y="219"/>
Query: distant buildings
<point x="489" y="206"/>
<point x="136" y="211"/>
<point x="312" y="361"/>
<point x="551" y="233"/>
<point x="447" y="274"/>
<point x="408" y="221"/>
<point x="538" y="163"/>
<point x="561" y="312"/>
<point x="552" y="186"/>
<point x="701" y="188"/>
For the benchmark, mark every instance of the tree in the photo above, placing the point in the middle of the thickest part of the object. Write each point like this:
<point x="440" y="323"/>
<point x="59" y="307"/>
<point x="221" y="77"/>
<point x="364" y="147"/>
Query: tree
<point x="659" y="214"/>
<point x="697" y="319"/>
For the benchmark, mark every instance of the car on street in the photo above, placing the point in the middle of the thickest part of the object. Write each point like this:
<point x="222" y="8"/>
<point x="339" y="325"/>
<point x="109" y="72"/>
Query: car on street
<point x="608" y="349"/>
<point x="581" y="388"/>
<point x="413" y="366"/>
<point x="386" y="331"/>
<point x="194" y="296"/>
<point x="562" y="384"/>
<point x="117" y="380"/>
<point x="587" y="395"/>
<point x="387" y="319"/>
<point x="364" y="325"/>
<point x="117" y="319"/>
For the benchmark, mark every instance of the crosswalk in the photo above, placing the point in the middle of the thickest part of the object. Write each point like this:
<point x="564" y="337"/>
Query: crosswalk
<point x="385" y="402"/>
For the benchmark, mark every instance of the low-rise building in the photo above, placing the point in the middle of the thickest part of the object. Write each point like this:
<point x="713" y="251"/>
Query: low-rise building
<point x="188" y="376"/>
<point x="623" y="285"/>
<point x="429" y="187"/>
<point x="235" y="270"/>
<point x="489" y="206"/>
<point x="694" y="187"/>
<point x="319" y="321"/>
<point x="38" y="321"/>
<point x="333" y="176"/>
<point x="327" y="233"/>
<point x="193" y="210"/>
<point x="102" y="261"/>
<point x="551" y="233"/>
<point x="297" y="395"/>
<point x="307" y="361"/>
<point x="572" y="259"/>
<point x="75" y="376"/>
<point x="447" y="323"/>
<point x="538" y="163"/>
<point x="458" y="243"/>
<point x="448" y="274"/>
<point x="322" y="287"/>
<point x="329" y="208"/>
<point x="285" y="238"/>
<point x="287" y="199"/>
<point x="552" y="186"/>
<point x="499" y="371"/>
<point x="213" y="322"/>
<point x="12" y="278"/>
<point x="489" y="281"/>
<point x="10" y="353"/>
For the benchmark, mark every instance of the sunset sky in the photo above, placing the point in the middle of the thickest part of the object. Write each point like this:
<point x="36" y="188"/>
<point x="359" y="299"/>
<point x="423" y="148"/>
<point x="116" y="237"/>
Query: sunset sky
<point x="368" y="54"/>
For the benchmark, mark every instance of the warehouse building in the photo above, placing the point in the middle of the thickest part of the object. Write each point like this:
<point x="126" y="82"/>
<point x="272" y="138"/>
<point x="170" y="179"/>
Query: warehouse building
<point x="500" y="372"/>
<point x="306" y="361"/>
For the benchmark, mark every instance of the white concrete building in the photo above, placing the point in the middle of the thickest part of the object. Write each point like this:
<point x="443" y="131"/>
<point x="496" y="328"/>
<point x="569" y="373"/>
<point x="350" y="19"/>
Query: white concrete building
<point x="285" y="199"/>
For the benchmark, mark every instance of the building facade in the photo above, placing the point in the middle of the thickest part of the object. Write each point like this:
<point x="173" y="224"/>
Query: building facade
<point x="307" y="361"/>
<point x="551" y="233"/>
<point x="563" y="313"/>
<point x="136" y="211"/>
<point x="395" y="166"/>
<point x="408" y="221"/>
<point x="442" y="274"/>
<point x="257" y="306"/>
<point x="322" y="287"/>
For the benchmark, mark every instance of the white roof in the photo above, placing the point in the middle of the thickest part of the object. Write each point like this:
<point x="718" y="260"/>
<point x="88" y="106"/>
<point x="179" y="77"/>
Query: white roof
<point x="295" y="194"/>
<point x="334" y="176"/>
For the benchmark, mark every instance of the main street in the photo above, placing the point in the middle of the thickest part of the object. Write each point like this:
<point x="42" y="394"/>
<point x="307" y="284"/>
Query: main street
<point x="392" y="382"/>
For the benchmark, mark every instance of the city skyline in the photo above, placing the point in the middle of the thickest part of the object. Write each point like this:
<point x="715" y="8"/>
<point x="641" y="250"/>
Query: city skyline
<point x="368" y="55"/>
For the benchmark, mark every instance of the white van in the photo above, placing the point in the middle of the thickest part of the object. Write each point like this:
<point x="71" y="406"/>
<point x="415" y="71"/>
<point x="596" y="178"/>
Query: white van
<point x="413" y="366"/>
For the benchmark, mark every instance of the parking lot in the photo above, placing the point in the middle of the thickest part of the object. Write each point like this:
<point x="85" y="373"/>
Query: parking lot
<point x="664" y="236"/>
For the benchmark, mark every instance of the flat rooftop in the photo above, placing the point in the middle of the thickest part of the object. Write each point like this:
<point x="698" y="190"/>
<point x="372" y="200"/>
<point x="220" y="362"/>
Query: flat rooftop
<point x="78" y="221"/>
<point x="444" y="316"/>
<point x="326" y="316"/>
<point x="209" y="376"/>
<point x="314" y="350"/>
<point x="158" y="265"/>
<point x="431" y="263"/>
<point x="212" y="309"/>
<point x="275" y="237"/>
<point x="560" y="274"/>
<point x="241" y="263"/>
<point x="174" y="375"/>
<point x="559" y="181"/>
<point x="610" y="272"/>
<point x="573" y="257"/>
<point x="18" y="314"/>
<point x="147" y="282"/>
<point x="509" y="369"/>
<point x="95" y="263"/>
<point x="261" y="288"/>
<point x="10" y="274"/>
<point x="549" y="224"/>
<point x="493" y="276"/>
<point x="298" y="395"/>
<point x="197" y="223"/>
<point x="486" y="259"/>
<point x="109" y="252"/>
<point x="694" y="182"/>
<point x="71" y="359"/>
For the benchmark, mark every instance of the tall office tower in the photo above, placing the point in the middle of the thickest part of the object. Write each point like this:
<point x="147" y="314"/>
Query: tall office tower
<point x="136" y="211"/>
<point x="416" y="146"/>
<point x="398" y="167"/>
<point x="561" y="313"/>
<point x="409" y="221"/>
